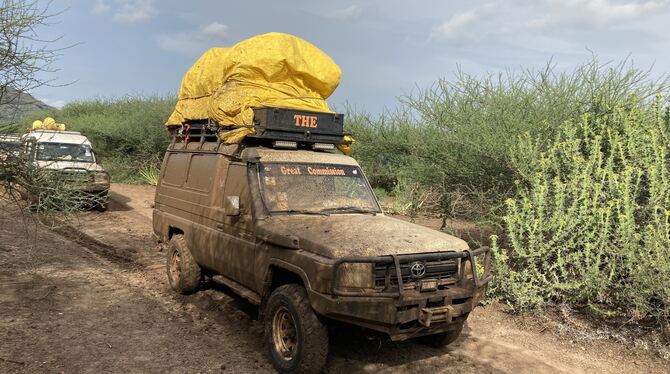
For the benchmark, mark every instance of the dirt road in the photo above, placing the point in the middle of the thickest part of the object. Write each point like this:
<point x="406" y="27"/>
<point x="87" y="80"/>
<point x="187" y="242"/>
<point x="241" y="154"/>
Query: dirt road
<point x="98" y="301"/>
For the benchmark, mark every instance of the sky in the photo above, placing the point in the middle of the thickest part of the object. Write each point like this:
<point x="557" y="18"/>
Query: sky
<point x="385" y="48"/>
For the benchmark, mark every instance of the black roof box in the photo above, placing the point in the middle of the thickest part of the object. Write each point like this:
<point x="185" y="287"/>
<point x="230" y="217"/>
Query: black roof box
<point x="302" y="126"/>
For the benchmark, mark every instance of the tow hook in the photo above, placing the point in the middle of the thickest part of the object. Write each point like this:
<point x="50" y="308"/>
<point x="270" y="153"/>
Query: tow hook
<point x="437" y="314"/>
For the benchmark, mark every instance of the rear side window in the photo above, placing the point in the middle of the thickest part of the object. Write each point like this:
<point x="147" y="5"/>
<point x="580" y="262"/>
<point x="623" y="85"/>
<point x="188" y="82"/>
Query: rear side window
<point x="175" y="168"/>
<point x="201" y="172"/>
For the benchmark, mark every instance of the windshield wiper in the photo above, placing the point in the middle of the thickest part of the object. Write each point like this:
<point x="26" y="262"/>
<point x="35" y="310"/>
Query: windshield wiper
<point x="300" y="211"/>
<point x="348" y="209"/>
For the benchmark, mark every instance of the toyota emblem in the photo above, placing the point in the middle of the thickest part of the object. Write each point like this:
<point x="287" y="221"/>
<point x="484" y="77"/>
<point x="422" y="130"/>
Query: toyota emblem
<point x="417" y="269"/>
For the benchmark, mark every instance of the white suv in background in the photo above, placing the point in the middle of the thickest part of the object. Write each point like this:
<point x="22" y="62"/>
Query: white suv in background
<point x="71" y="154"/>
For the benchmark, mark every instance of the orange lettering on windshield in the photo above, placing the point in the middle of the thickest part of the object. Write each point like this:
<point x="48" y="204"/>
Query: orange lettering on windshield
<point x="325" y="171"/>
<point x="290" y="171"/>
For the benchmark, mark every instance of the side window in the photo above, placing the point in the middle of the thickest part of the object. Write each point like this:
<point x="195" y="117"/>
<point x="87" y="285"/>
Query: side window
<point x="29" y="149"/>
<point x="237" y="185"/>
<point x="175" y="168"/>
<point x="201" y="172"/>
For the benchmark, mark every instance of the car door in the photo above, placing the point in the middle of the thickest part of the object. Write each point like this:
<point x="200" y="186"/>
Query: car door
<point x="236" y="239"/>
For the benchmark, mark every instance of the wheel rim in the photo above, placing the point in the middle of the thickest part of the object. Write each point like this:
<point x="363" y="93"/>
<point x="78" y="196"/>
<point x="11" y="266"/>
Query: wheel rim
<point x="175" y="266"/>
<point x="284" y="334"/>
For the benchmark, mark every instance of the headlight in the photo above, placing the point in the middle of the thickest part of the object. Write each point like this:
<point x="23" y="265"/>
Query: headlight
<point x="479" y="268"/>
<point x="101" y="177"/>
<point x="467" y="269"/>
<point x="353" y="275"/>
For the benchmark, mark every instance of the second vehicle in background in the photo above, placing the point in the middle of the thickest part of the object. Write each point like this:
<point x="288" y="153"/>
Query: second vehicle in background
<point x="70" y="154"/>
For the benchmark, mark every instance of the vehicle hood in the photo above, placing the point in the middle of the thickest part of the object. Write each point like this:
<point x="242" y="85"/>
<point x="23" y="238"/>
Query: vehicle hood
<point x="60" y="165"/>
<point x="341" y="235"/>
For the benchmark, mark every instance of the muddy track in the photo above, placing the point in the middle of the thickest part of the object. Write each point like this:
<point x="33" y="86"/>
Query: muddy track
<point x="115" y="255"/>
<point x="92" y="296"/>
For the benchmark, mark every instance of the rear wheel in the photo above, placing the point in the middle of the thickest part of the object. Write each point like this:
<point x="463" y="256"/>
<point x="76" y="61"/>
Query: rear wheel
<point x="183" y="272"/>
<point x="296" y="337"/>
<point x="442" y="339"/>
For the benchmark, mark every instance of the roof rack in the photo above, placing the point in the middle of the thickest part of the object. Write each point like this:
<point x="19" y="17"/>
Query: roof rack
<point x="53" y="131"/>
<point x="195" y="131"/>
<point x="273" y="125"/>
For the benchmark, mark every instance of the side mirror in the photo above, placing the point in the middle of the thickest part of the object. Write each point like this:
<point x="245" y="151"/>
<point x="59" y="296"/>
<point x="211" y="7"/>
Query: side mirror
<point x="232" y="206"/>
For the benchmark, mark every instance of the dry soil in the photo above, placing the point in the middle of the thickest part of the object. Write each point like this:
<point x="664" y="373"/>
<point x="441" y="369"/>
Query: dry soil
<point x="93" y="297"/>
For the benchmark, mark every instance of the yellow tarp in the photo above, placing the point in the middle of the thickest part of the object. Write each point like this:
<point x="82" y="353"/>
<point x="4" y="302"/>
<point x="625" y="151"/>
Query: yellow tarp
<point x="272" y="69"/>
<point x="48" y="124"/>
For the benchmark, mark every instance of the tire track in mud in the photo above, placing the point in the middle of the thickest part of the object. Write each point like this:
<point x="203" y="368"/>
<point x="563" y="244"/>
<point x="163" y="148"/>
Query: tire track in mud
<point x="215" y="321"/>
<point x="214" y="310"/>
<point x="107" y="251"/>
<point x="217" y="310"/>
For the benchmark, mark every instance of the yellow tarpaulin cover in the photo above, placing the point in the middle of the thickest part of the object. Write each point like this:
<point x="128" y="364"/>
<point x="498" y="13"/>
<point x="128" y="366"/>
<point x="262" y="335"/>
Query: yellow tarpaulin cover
<point x="48" y="124"/>
<point x="273" y="69"/>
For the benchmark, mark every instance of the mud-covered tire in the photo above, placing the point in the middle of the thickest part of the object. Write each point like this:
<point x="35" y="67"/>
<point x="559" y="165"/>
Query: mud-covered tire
<point x="183" y="272"/>
<point x="290" y="304"/>
<point x="442" y="339"/>
<point x="102" y="206"/>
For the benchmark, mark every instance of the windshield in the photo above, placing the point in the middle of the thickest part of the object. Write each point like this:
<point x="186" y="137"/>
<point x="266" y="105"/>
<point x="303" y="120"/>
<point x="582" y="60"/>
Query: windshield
<point x="9" y="147"/>
<point x="316" y="189"/>
<point x="64" y="152"/>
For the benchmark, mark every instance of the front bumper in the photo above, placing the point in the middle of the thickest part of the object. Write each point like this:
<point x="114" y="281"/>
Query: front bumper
<point x="405" y="311"/>
<point x="98" y="189"/>
<point x="79" y="179"/>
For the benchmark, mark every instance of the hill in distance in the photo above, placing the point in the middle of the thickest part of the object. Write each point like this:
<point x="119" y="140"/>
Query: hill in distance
<point x="15" y="104"/>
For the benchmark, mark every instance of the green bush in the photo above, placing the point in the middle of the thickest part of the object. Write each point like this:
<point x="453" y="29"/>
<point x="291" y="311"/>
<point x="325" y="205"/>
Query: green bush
<point x="457" y="138"/>
<point x="150" y="175"/>
<point x="589" y="224"/>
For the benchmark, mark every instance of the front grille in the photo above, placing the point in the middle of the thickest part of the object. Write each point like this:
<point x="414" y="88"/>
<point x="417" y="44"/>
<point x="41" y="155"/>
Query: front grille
<point x="76" y="176"/>
<point x="435" y="269"/>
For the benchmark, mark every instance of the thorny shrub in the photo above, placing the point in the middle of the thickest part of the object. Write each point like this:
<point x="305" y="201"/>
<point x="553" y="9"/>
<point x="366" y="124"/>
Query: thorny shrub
<point x="590" y="222"/>
<point x="38" y="189"/>
<point x="456" y="139"/>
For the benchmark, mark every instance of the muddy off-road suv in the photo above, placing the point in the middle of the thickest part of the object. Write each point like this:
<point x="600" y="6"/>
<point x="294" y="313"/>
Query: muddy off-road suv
<point x="290" y="223"/>
<point x="70" y="156"/>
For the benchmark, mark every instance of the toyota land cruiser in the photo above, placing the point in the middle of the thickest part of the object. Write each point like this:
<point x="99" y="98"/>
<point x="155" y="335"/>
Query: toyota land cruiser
<point x="290" y="223"/>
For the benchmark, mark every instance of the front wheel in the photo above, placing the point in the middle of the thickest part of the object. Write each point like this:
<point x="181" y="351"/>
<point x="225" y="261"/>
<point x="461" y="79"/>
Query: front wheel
<point x="102" y="202"/>
<point x="296" y="337"/>
<point x="102" y="206"/>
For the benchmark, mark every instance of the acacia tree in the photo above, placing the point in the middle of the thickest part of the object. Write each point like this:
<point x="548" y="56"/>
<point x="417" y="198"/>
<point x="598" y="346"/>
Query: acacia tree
<point x="24" y="56"/>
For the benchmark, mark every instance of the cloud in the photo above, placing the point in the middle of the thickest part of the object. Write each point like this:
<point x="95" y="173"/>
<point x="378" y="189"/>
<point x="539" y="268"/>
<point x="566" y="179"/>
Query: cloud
<point x="193" y="43"/>
<point x="464" y="25"/>
<point x="126" y="11"/>
<point x="56" y="103"/>
<point x="133" y="11"/>
<point x="101" y="7"/>
<point x="216" y="30"/>
<point x="495" y="19"/>
<point x="346" y="14"/>
<point x="476" y="24"/>
<point x="596" y="13"/>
